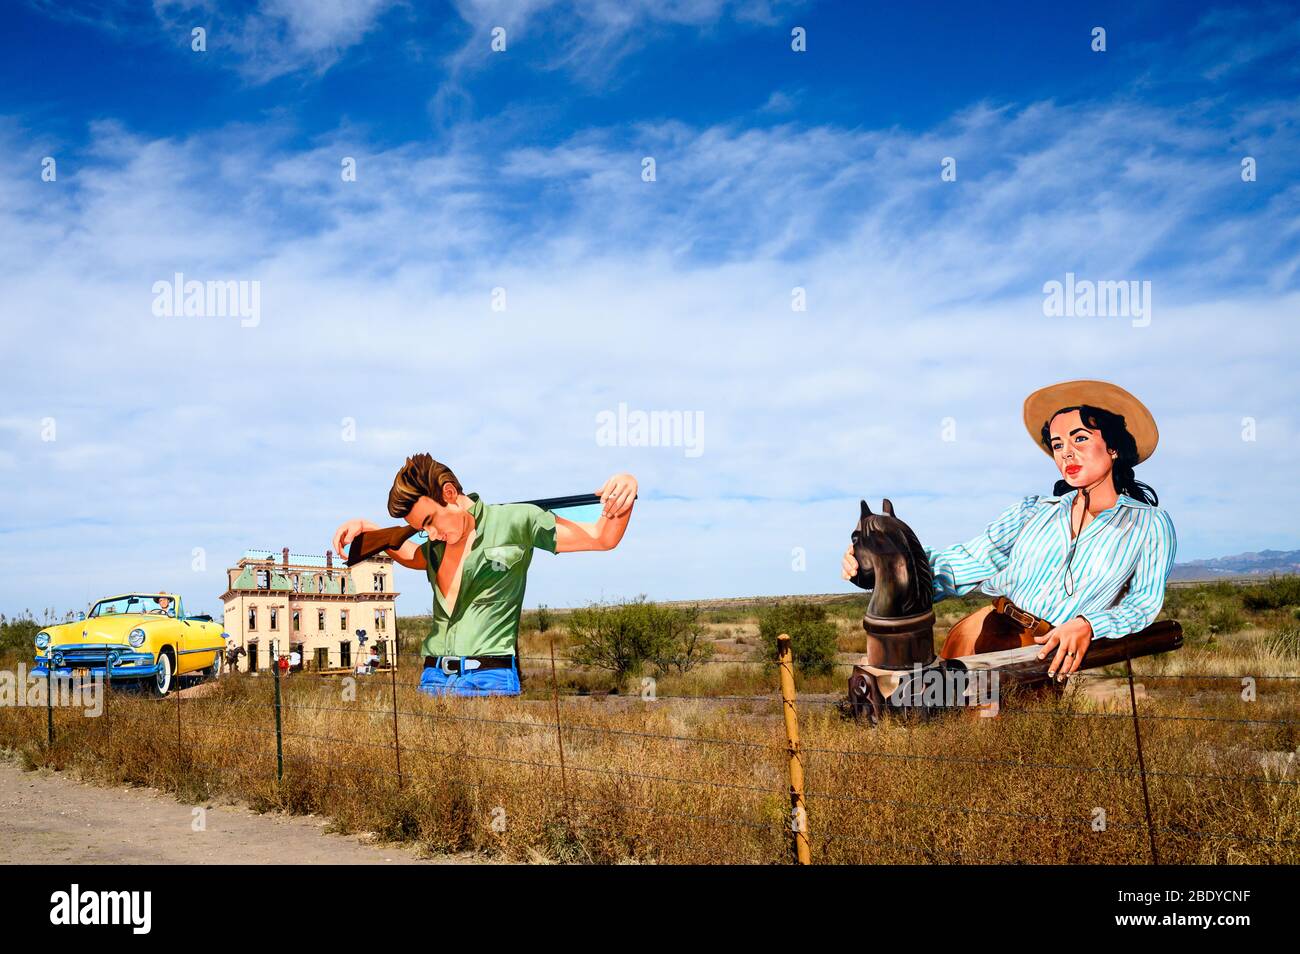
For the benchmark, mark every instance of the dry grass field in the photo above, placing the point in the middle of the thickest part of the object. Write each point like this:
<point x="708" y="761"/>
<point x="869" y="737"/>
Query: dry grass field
<point x="576" y="772"/>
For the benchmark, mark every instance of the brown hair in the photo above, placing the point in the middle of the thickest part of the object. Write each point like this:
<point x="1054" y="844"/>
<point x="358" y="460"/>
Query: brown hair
<point x="420" y="476"/>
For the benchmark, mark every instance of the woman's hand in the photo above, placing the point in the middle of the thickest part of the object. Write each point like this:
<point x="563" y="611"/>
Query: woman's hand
<point x="346" y="532"/>
<point x="849" y="568"/>
<point x="617" y="494"/>
<point x="1071" y="643"/>
<point x="856" y="573"/>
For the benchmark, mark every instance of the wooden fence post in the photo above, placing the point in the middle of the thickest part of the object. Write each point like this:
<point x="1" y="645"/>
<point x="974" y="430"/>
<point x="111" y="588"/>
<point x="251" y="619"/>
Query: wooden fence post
<point x="798" y="814"/>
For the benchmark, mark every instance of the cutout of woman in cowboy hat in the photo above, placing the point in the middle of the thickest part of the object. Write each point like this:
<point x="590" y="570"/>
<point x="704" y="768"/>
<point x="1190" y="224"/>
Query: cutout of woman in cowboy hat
<point x="1089" y="562"/>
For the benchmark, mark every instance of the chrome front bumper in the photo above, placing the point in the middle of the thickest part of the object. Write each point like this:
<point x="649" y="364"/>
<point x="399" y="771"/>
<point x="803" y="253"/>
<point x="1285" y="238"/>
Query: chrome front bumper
<point x="106" y="662"/>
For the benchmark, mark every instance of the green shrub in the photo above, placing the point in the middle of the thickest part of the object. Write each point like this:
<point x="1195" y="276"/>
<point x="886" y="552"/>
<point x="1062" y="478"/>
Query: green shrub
<point x="812" y="637"/>
<point x="623" y="637"/>
<point x="539" y="621"/>
<point x="1278" y="592"/>
<point x="1224" y="620"/>
<point x="1202" y="599"/>
<point x="679" y="641"/>
<point x="608" y="637"/>
<point x="17" y="635"/>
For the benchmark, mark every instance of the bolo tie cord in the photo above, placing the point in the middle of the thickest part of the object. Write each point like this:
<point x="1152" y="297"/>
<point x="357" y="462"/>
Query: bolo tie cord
<point x="1068" y="581"/>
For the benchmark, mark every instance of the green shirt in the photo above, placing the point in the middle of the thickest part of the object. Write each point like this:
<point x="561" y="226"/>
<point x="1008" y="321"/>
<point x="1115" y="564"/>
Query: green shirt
<point x="485" y="621"/>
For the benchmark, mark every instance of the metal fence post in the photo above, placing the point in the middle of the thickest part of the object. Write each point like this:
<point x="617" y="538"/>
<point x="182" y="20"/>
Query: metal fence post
<point x="1142" y="767"/>
<point x="397" y="745"/>
<point x="279" y="731"/>
<point x="108" y="722"/>
<point x="798" y="814"/>
<point x="176" y="691"/>
<point x="49" y="700"/>
<point x="559" y="732"/>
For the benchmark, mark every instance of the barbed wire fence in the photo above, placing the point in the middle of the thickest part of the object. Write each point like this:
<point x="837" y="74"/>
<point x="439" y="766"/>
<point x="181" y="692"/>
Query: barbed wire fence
<point x="805" y="802"/>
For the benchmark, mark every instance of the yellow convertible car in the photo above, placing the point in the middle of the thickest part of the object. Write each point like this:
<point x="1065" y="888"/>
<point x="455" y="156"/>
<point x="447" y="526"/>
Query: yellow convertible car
<point x="138" y="636"/>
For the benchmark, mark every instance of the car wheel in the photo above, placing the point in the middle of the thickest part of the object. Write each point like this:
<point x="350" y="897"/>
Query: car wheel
<point x="162" y="682"/>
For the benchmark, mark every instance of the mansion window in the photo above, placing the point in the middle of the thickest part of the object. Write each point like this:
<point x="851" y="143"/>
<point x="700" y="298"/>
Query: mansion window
<point x="252" y="619"/>
<point x="275" y="618"/>
<point x="320" y="620"/>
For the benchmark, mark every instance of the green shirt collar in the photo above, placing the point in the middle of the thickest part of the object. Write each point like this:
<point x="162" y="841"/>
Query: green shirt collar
<point x="476" y="510"/>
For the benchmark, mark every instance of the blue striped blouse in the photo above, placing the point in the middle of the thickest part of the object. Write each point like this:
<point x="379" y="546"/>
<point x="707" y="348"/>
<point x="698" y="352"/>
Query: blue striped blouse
<point x="1121" y="563"/>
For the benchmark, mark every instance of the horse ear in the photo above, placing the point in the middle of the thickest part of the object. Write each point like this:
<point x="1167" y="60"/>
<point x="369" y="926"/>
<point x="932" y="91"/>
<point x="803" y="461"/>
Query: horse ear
<point x="888" y="507"/>
<point x="866" y="511"/>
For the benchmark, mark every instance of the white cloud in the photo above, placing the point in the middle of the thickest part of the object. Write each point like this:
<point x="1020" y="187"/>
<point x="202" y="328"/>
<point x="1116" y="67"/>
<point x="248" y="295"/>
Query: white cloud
<point x="267" y="40"/>
<point x="924" y="303"/>
<point x="589" y="39"/>
<point x="280" y="36"/>
<point x="274" y="38"/>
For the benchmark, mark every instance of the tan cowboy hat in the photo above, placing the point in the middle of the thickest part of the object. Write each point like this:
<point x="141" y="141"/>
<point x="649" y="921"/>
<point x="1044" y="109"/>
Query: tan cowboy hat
<point x="1043" y="403"/>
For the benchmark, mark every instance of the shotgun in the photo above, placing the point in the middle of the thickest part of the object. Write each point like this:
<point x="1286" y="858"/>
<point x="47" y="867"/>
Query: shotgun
<point x="369" y="542"/>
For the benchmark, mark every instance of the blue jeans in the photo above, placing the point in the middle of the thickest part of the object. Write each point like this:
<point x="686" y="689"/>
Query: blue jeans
<point x="475" y="682"/>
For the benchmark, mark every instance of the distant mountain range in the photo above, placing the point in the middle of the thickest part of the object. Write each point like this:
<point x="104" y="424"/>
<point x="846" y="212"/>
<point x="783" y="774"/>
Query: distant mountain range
<point x="1263" y="563"/>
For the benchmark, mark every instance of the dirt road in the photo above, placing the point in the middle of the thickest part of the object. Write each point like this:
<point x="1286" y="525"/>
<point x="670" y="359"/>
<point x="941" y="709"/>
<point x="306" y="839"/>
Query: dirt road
<point x="53" y="818"/>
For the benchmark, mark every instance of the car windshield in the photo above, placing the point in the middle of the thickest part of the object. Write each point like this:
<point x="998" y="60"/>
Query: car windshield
<point x="154" y="605"/>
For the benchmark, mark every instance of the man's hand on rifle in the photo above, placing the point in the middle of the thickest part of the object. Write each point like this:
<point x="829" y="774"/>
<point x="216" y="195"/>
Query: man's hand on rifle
<point x="347" y="532"/>
<point x="616" y="495"/>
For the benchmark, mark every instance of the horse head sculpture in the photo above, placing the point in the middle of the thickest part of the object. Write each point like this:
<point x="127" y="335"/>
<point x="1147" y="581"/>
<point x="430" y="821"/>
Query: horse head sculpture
<point x="900" y="617"/>
<point x="894" y="564"/>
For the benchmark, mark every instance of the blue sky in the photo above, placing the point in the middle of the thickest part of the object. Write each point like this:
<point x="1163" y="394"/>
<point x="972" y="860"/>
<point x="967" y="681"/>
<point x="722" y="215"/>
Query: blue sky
<point x="128" y="440"/>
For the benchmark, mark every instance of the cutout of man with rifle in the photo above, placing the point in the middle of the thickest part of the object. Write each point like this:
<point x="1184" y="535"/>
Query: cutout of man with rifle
<point x="476" y="557"/>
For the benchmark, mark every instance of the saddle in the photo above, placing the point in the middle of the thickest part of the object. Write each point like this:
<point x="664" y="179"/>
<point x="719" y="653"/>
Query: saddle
<point x="1000" y="626"/>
